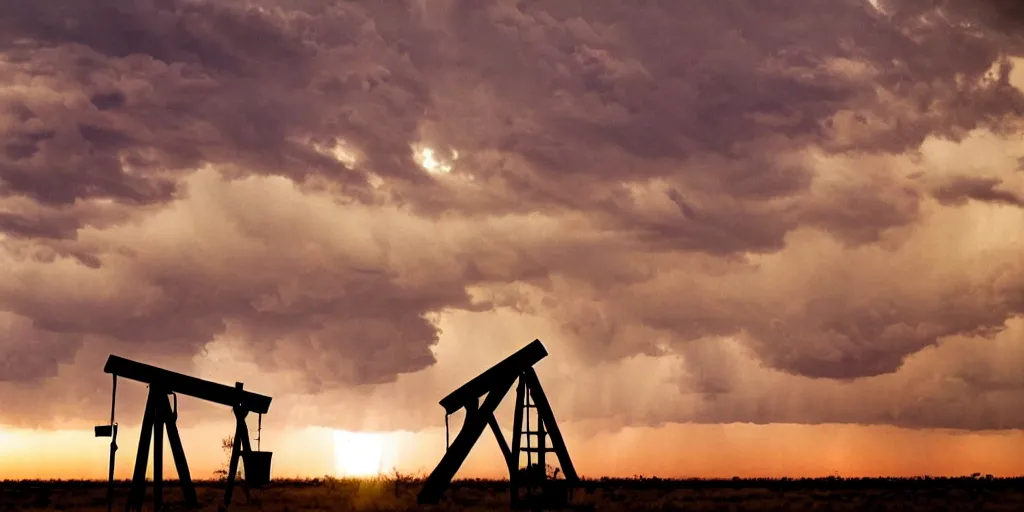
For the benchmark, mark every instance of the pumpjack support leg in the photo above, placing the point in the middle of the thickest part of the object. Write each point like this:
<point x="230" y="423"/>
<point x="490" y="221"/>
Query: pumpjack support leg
<point x="158" y="461"/>
<point x="547" y="416"/>
<point x="239" y="447"/>
<point x="534" y="478"/>
<point x="505" y="450"/>
<point x="517" y="442"/>
<point x="188" y="489"/>
<point x="159" y="416"/>
<point x="473" y="427"/>
<point x="138" y="490"/>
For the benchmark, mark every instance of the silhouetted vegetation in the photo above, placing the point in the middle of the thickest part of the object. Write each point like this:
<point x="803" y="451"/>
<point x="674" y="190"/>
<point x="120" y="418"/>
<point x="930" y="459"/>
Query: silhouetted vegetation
<point x="397" y="492"/>
<point x="222" y="472"/>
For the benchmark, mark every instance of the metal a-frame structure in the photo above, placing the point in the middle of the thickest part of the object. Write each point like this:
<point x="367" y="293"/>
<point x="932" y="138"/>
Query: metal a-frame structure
<point x="160" y="416"/>
<point x="495" y="383"/>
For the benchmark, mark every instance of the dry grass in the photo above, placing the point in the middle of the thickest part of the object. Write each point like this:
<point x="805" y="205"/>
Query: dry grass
<point x="390" y="494"/>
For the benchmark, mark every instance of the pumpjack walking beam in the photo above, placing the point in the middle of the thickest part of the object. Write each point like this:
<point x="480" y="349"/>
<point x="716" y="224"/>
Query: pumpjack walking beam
<point x="496" y="383"/>
<point x="159" y="416"/>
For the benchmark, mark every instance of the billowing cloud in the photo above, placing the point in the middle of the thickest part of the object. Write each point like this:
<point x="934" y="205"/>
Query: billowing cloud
<point x="799" y="200"/>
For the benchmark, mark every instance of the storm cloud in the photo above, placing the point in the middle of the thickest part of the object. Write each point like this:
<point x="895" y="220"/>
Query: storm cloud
<point x="822" y="191"/>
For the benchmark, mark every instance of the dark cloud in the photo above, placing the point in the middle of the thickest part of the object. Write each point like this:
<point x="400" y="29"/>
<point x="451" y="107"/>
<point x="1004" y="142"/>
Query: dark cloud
<point x="653" y="176"/>
<point x="963" y="188"/>
<point x="1003" y="17"/>
<point x="644" y="93"/>
<point x="29" y="352"/>
<point x="956" y="385"/>
<point x="587" y="100"/>
<point x="816" y="308"/>
<point x="136" y="89"/>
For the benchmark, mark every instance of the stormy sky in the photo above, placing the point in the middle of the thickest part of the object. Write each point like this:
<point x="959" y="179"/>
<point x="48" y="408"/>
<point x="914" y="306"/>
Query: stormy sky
<point x="798" y="211"/>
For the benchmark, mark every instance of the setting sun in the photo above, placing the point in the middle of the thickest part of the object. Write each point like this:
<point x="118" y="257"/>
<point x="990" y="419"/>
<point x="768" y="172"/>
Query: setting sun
<point x="357" y="454"/>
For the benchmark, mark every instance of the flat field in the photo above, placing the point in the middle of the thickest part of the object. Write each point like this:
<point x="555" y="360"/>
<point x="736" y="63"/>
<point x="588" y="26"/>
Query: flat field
<point x="975" y="494"/>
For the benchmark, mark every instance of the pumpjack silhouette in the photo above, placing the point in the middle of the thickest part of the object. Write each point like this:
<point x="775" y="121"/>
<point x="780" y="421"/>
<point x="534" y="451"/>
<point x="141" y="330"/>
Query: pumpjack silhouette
<point x="496" y="382"/>
<point x="160" y="415"/>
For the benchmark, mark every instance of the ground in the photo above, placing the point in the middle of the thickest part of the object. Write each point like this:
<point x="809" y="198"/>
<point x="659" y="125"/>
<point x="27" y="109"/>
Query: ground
<point x="975" y="494"/>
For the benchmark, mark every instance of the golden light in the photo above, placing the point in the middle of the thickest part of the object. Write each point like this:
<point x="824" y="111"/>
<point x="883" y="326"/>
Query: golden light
<point x="339" y="150"/>
<point x="350" y="157"/>
<point x="358" y="454"/>
<point x="428" y="160"/>
<point x="345" y="155"/>
<point x="1017" y="73"/>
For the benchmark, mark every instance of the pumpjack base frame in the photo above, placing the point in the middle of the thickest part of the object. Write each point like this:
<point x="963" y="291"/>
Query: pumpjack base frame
<point x="496" y="383"/>
<point x="552" y="492"/>
<point x="157" y="417"/>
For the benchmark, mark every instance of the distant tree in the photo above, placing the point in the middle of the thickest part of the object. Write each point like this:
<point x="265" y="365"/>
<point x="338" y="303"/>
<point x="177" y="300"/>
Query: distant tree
<point x="227" y="444"/>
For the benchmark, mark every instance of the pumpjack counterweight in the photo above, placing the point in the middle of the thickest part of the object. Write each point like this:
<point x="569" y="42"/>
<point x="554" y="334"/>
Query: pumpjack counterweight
<point x="159" y="416"/>
<point x="495" y="383"/>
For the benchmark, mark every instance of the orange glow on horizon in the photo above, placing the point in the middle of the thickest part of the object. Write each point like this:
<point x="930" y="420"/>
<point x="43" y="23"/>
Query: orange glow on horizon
<point x="705" y="451"/>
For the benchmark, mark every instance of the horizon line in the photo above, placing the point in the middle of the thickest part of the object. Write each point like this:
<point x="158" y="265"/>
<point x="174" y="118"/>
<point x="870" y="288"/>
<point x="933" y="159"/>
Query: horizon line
<point x="406" y="478"/>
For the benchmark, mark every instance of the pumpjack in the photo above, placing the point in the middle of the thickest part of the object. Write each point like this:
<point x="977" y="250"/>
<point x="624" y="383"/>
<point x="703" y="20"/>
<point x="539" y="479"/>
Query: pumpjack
<point x="496" y="383"/>
<point x="159" y="415"/>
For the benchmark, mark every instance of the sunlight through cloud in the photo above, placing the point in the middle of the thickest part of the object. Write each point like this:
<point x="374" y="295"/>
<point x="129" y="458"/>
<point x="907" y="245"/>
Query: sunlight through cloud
<point x="349" y="157"/>
<point x="358" y="454"/>
<point x="340" y="152"/>
<point x="428" y="159"/>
